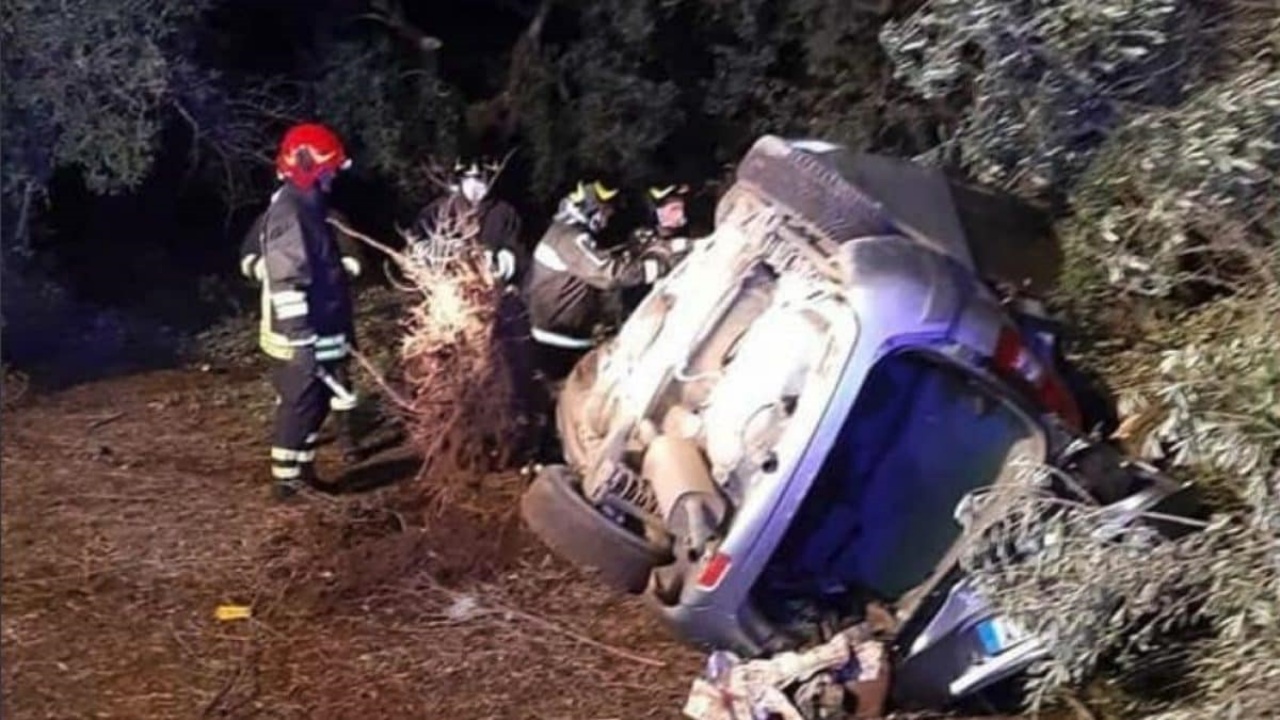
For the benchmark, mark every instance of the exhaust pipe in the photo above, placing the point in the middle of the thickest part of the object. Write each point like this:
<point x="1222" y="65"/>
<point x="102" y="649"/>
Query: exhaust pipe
<point x="689" y="501"/>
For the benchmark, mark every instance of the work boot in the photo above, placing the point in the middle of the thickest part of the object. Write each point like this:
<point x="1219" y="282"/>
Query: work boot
<point x="286" y="491"/>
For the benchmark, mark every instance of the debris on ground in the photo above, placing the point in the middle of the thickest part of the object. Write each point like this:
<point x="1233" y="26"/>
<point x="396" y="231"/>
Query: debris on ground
<point x="848" y="670"/>
<point x="122" y="538"/>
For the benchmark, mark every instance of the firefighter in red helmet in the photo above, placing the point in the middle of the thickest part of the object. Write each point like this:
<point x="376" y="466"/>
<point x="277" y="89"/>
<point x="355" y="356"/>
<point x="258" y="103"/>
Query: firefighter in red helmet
<point x="307" y="324"/>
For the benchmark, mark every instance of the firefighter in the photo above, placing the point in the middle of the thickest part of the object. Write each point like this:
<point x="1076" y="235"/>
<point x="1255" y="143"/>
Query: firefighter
<point x="306" y="302"/>
<point x="572" y="287"/>
<point x="476" y="214"/>
<point x="666" y="204"/>
<point x="472" y="211"/>
<point x="662" y="240"/>
<point x="251" y="266"/>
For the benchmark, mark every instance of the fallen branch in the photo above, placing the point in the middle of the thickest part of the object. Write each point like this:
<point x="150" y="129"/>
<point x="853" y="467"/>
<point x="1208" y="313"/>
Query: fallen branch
<point x="578" y="637"/>
<point x="1078" y="707"/>
<point x="550" y="626"/>
<point x="362" y="237"/>
<point x="391" y="392"/>
<point x="105" y="420"/>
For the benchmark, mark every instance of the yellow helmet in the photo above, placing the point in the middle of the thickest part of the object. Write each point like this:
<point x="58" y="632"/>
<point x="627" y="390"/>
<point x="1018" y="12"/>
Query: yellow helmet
<point x="588" y="204"/>
<point x="658" y="193"/>
<point x="598" y="190"/>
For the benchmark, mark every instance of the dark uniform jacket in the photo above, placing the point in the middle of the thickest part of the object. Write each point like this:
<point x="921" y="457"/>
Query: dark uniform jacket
<point x="348" y="246"/>
<point x="306" y="298"/>
<point x="498" y="231"/>
<point x="572" y="287"/>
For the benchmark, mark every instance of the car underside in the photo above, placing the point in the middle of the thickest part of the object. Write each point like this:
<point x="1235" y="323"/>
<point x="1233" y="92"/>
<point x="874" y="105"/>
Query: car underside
<point x="785" y="431"/>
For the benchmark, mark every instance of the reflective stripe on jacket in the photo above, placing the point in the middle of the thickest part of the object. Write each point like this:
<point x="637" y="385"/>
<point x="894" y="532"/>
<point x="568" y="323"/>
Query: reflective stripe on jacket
<point x="306" y="300"/>
<point x="571" y="286"/>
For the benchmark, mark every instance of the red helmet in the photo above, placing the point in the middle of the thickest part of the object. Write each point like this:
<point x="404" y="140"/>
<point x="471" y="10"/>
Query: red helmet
<point x="309" y="151"/>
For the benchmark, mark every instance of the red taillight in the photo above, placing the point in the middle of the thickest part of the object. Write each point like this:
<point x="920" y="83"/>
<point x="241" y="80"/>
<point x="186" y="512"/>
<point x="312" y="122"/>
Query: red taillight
<point x="1012" y="358"/>
<point x="714" y="571"/>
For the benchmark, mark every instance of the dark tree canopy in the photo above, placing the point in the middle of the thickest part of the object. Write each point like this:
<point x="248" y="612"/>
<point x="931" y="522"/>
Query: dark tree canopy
<point x="1021" y="95"/>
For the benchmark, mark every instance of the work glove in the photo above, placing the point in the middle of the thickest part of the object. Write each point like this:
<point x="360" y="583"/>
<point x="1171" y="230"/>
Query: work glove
<point x="502" y="264"/>
<point x="680" y="246"/>
<point x="351" y="265"/>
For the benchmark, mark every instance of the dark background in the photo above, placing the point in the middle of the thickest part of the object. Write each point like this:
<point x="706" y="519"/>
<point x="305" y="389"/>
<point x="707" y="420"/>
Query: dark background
<point x="161" y="258"/>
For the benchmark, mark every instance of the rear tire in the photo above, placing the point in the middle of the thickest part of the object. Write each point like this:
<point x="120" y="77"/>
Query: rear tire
<point x="816" y="193"/>
<point x="554" y="508"/>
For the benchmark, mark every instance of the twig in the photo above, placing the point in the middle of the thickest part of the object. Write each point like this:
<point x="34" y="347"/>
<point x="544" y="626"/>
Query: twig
<point x="105" y="420"/>
<point x="1078" y="707"/>
<point x="395" y="396"/>
<point x="578" y="637"/>
<point x="362" y="237"/>
<point x="551" y="626"/>
<point x="22" y="240"/>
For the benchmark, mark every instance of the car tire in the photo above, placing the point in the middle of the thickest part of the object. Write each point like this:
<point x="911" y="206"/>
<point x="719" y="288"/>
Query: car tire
<point x="813" y="191"/>
<point x="554" y="508"/>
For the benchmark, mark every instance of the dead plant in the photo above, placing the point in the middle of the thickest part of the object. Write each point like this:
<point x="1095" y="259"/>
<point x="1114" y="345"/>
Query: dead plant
<point x="456" y="391"/>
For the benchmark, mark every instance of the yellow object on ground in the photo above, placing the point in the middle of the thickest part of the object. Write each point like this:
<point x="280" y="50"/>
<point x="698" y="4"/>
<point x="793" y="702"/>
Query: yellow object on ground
<point x="232" y="612"/>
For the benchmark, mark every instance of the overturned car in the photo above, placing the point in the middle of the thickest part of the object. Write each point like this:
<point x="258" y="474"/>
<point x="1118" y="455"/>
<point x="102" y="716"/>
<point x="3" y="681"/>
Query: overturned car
<point x="788" y="427"/>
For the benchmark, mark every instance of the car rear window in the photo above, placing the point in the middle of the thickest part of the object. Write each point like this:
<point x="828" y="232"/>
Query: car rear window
<point x="920" y="436"/>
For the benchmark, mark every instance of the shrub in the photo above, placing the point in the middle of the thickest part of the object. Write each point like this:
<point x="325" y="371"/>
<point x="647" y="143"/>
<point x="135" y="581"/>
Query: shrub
<point x="1036" y="87"/>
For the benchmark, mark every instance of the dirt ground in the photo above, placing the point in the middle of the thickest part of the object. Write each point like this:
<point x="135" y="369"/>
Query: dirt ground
<point x="136" y="506"/>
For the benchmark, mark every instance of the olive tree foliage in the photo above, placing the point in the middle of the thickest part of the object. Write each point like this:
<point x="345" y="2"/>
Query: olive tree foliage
<point x="598" y="104"/>
<point x="87" y="84"/>
<point x="1189" y="194"/>
<point x="808" y="67"/>
<point x="91" y="85"/>
<point x="1115" y="604"/>
<point x="640" y="83"/>
<point x="390" y="107"/>
<point x="1040" y="85"/>
<point x="745" y="96"/>
<point x="1160" y="128"/>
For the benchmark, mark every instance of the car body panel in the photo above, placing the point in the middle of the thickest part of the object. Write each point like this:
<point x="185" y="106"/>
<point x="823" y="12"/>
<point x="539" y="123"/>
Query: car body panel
<point x="824" y="267"/>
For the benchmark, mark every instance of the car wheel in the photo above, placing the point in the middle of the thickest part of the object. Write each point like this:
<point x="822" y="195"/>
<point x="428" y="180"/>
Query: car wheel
<point x="814" y="192"/>
<point x="554" y="508"/>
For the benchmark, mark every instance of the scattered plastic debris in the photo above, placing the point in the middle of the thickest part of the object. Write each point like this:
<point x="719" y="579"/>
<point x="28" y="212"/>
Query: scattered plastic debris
<point x="464" y="608"/>
<point x="849" y="669"/>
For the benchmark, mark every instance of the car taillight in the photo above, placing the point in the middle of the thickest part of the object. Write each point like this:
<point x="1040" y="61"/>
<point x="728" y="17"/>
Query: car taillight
<point x="1014" y="359"/>
<point x="714" y="571"/>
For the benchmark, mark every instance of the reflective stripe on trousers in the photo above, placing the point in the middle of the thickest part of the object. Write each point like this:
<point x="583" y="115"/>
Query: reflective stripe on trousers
<point x="289" y="464"/>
